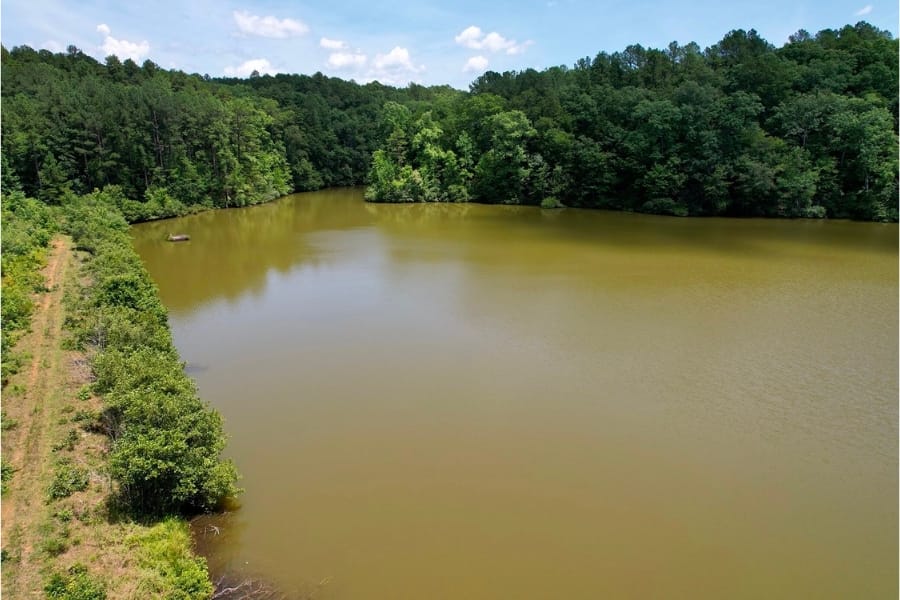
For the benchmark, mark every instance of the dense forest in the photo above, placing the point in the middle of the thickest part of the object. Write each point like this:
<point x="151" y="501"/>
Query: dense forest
<point x="741" y="128"/>
<point x="174" y="142"/>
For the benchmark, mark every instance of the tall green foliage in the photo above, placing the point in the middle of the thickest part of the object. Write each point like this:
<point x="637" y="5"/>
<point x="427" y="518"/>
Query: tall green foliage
<point x="171" y="570"/>
<point x="176" y="143"/>
<point x="27" y="228"/>
<point x="743" y="128"/>
<point x="165" y="442"/>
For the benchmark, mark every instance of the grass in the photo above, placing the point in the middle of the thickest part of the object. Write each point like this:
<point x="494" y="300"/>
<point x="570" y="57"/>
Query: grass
<point x="171" y="568"/>
<point x="60" y="539"/>
<point x="69" y="441"/>
<point x="7" y="424"/>
<point x="50" y="509"/>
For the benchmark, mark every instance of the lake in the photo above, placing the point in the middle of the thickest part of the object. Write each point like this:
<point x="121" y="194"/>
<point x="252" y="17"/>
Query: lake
<point x="472" y="401"/>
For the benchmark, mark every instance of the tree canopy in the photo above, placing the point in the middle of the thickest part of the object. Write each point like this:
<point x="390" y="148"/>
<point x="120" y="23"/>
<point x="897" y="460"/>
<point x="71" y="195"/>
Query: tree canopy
<point x="740" y="128"/>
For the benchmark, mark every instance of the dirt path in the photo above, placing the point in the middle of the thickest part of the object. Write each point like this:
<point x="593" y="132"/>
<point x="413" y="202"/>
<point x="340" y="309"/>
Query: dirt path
<point x="33" y="400"/>
<point x="52" y="436"/>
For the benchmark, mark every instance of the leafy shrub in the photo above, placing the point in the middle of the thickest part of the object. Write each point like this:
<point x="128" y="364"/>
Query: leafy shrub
<point x="54" y="546"/>
<point x="166" y="443"/>
<point x="68" y="442"/>
<point x="6" y="423"/>
<point x="64" y="515"/>
<point x="67" y="480"/>
<point x="76" y="584"/>
<point x="86" y="417"/>
<point x="815" y="212"/>
<point x="6" y="473"/>
<point x="551" y="202"/>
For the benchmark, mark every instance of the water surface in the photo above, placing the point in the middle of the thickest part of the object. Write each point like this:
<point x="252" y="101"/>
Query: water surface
<point x="468" y="401"/>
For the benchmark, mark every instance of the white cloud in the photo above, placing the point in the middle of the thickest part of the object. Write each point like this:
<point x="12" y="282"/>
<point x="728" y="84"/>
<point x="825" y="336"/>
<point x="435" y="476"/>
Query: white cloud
<point x="495" y="42"/>
<point x="344" y="60"/>
<point x="270" y="27"/>
<point x="478" y="64"/>
<point x="864" y="10"/>
<point x="469" y="37"/>
<point x="473" y="37"/>
<point x="519" y="48"/>
<point x="260" y="65"/>
<point x="394" y="68"/>
<point x="332" y="44"/>
<point x="122" y="48"/>
<point x="397" y="59"/>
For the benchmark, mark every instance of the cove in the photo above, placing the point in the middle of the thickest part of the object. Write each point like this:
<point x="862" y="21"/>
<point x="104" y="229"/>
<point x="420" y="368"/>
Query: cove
<point x="471" y="401"/>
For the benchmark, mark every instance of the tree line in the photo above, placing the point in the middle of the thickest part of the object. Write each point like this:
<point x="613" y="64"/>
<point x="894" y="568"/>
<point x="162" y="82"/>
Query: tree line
<point x="741" y="129"/>
<point x="175" y="143"/>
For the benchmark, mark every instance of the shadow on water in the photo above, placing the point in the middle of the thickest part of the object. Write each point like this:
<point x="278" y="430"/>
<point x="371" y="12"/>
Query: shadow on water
<point x="240" y="247"/>
<point x="244" y="247"/>
<point x="636" y="231"/>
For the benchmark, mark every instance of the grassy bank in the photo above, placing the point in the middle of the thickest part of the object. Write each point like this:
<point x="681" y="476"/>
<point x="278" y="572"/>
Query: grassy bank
<point x="106" y="446"/>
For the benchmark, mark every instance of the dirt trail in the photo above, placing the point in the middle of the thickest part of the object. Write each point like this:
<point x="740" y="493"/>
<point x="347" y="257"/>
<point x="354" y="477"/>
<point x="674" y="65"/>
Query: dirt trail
<point x="27" y="447"/>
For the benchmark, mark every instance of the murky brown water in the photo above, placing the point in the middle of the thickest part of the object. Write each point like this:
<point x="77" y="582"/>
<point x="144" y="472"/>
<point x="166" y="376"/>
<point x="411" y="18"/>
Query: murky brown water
<point x="470" y="401"/>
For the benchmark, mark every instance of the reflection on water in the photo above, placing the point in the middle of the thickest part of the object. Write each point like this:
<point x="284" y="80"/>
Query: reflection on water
<point x="449" y="401"/>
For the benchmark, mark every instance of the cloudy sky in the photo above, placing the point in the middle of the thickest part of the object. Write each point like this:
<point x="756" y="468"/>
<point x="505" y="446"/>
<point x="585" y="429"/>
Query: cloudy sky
<point x="426" y="41"/>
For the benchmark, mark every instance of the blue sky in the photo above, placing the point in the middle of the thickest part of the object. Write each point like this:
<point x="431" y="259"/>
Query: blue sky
<point x="426" y="41"/>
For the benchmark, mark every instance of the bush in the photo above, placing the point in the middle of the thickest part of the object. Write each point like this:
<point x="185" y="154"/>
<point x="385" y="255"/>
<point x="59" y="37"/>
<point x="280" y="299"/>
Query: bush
<point x="64" y="515"/>
<point x="76" y="584"/>
<point x="165" y="441"/>
<point x="551" y="202"/>
<point x="815" y="212"/>
<point x="54" y="546"/>
<point x="67" y="480"/>
<point x="68" y="442"/>
<point x="6" y="423"/>
<point x="6" y="473"/>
